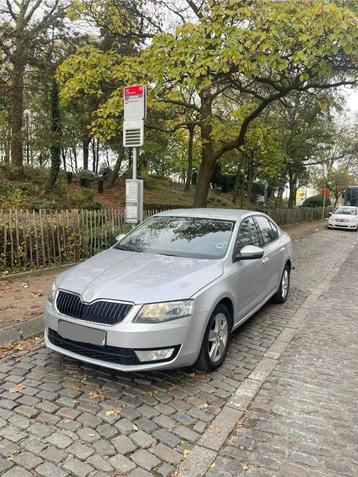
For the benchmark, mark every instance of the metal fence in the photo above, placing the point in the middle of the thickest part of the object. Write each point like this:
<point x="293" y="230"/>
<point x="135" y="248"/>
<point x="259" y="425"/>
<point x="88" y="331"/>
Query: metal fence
<point x="31" y="240"/>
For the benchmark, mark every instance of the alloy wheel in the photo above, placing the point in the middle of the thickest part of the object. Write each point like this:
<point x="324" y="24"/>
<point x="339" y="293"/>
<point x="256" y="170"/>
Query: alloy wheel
<point x="218" y="336"/>
<point x="285" y="283"/>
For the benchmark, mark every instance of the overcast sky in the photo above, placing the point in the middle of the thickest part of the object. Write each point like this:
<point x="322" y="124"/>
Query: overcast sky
<point x="351" y="102"/>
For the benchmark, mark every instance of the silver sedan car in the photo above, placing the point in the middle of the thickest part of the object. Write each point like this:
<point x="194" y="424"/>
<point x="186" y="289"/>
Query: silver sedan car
<point x="170" y="292"/>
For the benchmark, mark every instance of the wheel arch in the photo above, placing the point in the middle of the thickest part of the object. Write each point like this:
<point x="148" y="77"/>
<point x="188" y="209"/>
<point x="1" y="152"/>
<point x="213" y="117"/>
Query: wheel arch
<point x="226" y="301"/>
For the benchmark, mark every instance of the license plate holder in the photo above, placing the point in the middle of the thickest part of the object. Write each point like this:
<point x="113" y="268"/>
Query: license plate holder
<point x="80" y="333"/>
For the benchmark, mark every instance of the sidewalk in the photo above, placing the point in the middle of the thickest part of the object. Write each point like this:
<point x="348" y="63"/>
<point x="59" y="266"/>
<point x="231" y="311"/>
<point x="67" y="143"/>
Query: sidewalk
<point x="303" y="421"/>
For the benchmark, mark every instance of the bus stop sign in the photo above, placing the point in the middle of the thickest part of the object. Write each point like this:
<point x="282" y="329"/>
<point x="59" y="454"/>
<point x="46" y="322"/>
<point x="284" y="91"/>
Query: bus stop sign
<point x="135" y="103"/>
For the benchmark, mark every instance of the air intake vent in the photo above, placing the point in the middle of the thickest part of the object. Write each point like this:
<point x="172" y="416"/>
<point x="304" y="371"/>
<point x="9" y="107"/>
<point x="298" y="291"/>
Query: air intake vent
<point x="132" y="138"/>
<point x="133" y="134"/>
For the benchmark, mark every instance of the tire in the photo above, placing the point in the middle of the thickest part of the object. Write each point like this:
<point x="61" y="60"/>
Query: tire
<point x="217" y="335"/>
<point x="282" y="293"/>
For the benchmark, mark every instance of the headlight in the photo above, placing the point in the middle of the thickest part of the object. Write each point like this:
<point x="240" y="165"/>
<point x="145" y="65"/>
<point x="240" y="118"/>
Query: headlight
<point x="159" y="312"/>
<point x="52" y="293"/>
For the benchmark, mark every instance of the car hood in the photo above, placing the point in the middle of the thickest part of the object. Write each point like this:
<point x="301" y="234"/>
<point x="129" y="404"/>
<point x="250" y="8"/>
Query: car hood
<point x="349" y="217"/>
<point x="139" y="277"/>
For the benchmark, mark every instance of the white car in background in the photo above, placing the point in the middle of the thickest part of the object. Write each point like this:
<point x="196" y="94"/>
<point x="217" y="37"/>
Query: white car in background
<point x="344" y="217"/>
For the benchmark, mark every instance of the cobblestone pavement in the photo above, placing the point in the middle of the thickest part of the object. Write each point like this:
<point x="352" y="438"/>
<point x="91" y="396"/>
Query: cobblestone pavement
<point x="62" y="417"/>
<point x="304" y="420"/>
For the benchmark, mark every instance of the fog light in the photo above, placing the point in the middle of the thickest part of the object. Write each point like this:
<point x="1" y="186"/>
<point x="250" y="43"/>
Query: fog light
<point x="154" y="354"/>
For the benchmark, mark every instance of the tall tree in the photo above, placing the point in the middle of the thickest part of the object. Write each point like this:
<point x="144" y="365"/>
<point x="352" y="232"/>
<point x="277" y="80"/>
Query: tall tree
<point x="24" y="23"/>
<point x="263" y="50"/>
<point x="252" y="52"/>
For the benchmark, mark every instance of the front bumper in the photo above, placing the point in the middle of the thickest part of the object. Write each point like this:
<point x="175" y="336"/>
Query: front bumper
<point x="125" y="337"/>
<point x="342" y="225"/>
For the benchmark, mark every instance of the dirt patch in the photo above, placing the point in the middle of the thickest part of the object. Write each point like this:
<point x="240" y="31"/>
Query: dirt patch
<point x="298" y="232"/>
<point x="22" y="297"/>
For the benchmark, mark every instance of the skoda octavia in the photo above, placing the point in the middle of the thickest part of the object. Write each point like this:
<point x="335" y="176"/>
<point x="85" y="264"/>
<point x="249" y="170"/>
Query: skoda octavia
<point x="170" y="292"/>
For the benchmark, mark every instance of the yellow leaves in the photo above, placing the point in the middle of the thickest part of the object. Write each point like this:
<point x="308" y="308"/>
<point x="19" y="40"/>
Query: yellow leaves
<point x="97" y="394"/>
<point x="114" y="411"/>
<point x="304" y="76"/>
<point x="17" y="388"/>
<point x="215" y="429"/>
<point x="21" y="346"/>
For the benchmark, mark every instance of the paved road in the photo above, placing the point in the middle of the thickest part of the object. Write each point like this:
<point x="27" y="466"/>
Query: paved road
<point x="304" y="420"/>
<point x="61" y="417"/>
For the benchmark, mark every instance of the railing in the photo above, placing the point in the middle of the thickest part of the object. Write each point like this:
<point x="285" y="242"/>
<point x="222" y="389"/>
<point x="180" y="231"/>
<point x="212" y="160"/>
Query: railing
<point x="32" y="240"/>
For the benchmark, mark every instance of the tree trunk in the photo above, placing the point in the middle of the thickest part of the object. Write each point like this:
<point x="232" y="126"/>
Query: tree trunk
<point x="97" y="153"/>
<point x="85" y="146"/>
<point x="116" y="169"/>
<point x="236" y="185"/>
<point x="17" y="97"/>
<point x="63" y="154"/>
<point x="293" y="189"/>
<point x="7" y="145"/>
<point x="55" y="148"/>
<point x="208" y="159"/>
<point x="190" y="158"/>
<point x="75" y="157"/>
<point x="94" y="155"/>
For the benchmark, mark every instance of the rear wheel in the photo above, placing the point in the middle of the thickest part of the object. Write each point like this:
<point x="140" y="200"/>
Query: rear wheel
<point x="216" y="340"/>
<point x="281" y="295"/>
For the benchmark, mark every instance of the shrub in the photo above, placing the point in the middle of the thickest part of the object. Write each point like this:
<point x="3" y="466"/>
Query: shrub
<point x="316" y="201"/>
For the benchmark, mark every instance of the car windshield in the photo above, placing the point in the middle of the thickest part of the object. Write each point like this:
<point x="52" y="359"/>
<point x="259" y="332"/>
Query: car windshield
<point x="346" y="211"/>
<point x="192" y="237"/>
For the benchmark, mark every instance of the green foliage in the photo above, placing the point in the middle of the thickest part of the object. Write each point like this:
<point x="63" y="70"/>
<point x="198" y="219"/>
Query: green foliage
<point x="316" y="201"/>
<point x="28" y="191"/>
<point x="10" y="196"/>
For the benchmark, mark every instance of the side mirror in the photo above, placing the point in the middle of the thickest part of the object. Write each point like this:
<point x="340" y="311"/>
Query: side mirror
<point x="249" y="252"/>
<point x="119" y="237"/>
<point x="330" y="213"/>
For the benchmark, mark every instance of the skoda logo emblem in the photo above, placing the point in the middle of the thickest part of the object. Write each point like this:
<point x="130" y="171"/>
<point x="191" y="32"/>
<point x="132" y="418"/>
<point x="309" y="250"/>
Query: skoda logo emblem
<point x="88" y="295"/>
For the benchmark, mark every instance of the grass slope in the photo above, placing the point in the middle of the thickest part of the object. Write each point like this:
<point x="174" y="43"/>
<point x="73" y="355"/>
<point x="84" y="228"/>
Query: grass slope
<point x="28" y="191"/>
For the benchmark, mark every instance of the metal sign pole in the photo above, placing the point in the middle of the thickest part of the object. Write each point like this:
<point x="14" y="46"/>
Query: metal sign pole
<point x="135" y="160"/>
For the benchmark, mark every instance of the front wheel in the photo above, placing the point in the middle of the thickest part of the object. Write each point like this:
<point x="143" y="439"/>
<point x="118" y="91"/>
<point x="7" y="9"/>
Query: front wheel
<point x="281" y="295"/>
<point x="216" y="340"/>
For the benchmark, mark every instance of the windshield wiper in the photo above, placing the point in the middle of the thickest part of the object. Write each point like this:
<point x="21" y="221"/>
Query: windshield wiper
<point x="128" y="249"/>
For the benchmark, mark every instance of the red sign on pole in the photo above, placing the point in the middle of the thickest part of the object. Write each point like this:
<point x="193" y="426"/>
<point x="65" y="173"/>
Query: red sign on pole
<point x="136" y="90"/>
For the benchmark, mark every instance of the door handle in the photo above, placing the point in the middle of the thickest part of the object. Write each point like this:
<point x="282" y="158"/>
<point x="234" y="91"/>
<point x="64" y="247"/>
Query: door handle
<point x="264" y="260"/>
<point x="282" y="249"/>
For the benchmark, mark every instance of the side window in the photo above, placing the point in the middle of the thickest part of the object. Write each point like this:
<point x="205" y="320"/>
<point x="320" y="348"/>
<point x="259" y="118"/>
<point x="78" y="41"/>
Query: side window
<point x="248" y="234"/>
<point x="268" y="233"/>
<point x="274" y="229"/>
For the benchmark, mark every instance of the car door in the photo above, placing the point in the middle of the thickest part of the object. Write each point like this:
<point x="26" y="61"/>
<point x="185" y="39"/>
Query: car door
<point x="273" y="255"/>
<point x="246" y="273"/>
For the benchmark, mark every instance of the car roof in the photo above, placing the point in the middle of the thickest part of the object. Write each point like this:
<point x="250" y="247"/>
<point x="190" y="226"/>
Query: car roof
<point x="346" y="207"/>
<point x="210" y="213"/>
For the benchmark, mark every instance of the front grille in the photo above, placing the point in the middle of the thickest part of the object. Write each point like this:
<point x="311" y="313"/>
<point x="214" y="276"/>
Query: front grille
<point x="104" y="312"/>
<point x="112" y="354"/>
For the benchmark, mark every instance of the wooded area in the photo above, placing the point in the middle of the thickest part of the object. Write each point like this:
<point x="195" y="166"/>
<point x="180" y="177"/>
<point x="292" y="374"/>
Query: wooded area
<point x="240" y="93"/>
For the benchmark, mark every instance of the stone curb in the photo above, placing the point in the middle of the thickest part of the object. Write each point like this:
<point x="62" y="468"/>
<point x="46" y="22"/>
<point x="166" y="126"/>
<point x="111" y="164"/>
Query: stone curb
<point x="27" y="329"/>
<point x="204" y="453"/>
